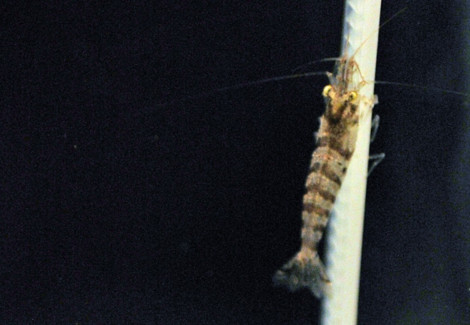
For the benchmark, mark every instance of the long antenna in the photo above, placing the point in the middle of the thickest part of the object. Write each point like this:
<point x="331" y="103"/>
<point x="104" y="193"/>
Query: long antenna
<point x="404" y="84"/>
<point x="245" y="85"/>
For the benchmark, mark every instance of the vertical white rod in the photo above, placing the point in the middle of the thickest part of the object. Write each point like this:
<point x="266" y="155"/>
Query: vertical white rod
<point x="344" y="243"/>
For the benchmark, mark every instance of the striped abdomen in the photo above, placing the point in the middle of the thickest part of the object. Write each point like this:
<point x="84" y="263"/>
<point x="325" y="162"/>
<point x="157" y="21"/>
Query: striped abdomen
<point x="336" y="141"/>
<point x="327" y="170"/>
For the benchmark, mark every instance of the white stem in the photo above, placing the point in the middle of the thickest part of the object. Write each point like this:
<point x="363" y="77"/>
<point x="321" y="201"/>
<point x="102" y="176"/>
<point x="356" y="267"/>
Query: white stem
<point x="344" y="243"/>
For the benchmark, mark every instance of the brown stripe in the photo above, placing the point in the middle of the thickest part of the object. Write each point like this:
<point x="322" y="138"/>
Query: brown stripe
<point x="316" y="188"/>
<point x="344" y="152"/>
<point x="315" y="167"/>
<point x="332" y="143"/>
<point x="313" y="208"/>
<point x="319" y="227"/>
<point x="330" y="174"/>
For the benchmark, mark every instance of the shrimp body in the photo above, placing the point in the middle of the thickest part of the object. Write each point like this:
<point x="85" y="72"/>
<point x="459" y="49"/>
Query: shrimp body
<point x="336" y="141"/>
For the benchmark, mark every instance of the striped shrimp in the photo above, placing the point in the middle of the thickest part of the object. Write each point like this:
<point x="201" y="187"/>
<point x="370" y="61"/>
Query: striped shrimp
<point x="336" y="141"/>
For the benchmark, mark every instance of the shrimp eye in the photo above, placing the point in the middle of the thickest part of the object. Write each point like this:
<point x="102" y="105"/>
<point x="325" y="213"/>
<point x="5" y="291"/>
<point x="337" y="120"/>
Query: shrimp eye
<point x="352" y="95"/>
<point x="326" y="90"/>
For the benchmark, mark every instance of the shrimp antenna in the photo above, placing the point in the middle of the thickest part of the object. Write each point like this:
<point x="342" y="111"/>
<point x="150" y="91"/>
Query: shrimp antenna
<point x="313" y="62"/>
<point x="246" y="84"/>
<point x="338" y="59"/>
<point x="404" y="84"/>
<point x="382" y="25"/>
<point x="292" y="76"/>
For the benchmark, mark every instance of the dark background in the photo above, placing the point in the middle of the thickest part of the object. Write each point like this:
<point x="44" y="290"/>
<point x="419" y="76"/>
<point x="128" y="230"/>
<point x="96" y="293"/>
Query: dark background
<point x="117" y="210"/>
